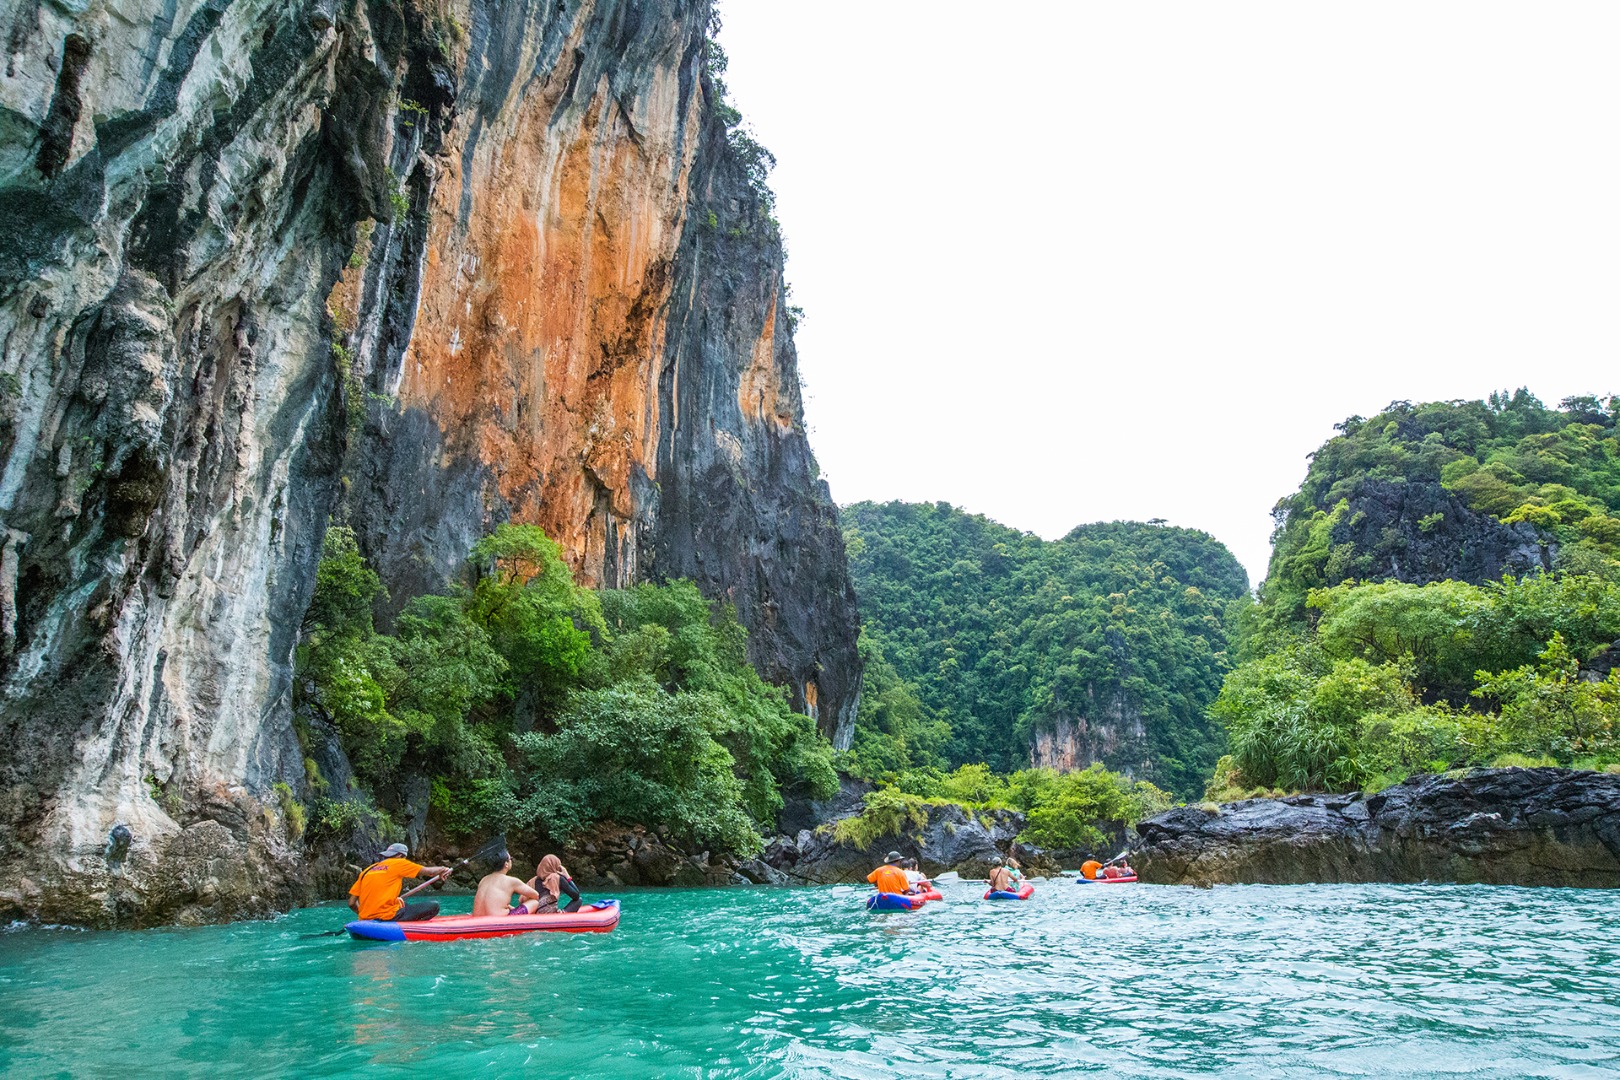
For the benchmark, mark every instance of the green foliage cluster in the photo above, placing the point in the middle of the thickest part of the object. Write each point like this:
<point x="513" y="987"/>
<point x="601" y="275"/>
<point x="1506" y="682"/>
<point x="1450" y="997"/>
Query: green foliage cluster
<point x="1063" y="811"/>
<point x="1509" y="456"/>
<point x="399" y="199"/>
<point x="534" y="703"/>
<point x="894" y="731"/>
<point x="1396" y="679"/>
<point x="1000" y="634"/>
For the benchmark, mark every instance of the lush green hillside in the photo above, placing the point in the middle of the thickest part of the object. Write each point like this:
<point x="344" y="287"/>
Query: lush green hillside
<point x="1110" y="642"/>
<point x="1442" y="592"/>
<point x="1463" y="490"/>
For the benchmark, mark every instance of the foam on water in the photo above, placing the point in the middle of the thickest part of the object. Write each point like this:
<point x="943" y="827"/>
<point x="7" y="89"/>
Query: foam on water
<point x="1136" y="980"/>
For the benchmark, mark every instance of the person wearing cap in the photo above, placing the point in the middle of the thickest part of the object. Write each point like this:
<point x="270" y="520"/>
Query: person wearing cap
<point x="889" y="877"/>
<point x="375" y="893"/>
<point x="1000" y="879"/>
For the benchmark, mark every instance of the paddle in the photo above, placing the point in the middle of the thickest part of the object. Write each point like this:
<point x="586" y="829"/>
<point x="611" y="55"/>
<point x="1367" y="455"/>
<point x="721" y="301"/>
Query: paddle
<point x="492" y="847"/>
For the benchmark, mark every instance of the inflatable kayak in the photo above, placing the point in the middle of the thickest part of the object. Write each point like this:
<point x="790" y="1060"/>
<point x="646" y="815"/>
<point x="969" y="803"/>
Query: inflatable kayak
<point x="599" y="917"/>
<point x="932" y="894"/>
<point x="1128" y="879"/>
<point x="1023" y="893"/>
<point x="888" y="901"/>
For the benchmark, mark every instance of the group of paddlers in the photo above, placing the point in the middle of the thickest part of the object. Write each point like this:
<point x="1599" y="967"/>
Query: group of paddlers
<point x="901" y="875"/>
<point x="1092" y="870"/>
<point x="375" y="895"/>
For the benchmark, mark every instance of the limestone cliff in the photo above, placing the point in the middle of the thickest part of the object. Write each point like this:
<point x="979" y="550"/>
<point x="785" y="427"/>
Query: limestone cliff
<point x="423" y="266"/>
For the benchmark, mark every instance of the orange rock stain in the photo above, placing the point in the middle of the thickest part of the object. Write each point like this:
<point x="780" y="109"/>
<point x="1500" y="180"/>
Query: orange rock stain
<point x="540" y="328"/>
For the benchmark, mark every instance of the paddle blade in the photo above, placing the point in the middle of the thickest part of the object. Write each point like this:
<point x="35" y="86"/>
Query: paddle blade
<point x="492" y="849"/>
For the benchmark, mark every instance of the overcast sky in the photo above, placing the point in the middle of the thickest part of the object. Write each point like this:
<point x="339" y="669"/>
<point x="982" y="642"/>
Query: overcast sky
<point x="1070" y="262"/>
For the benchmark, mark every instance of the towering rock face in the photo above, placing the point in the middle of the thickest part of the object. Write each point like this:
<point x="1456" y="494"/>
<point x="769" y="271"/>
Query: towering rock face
<point x="425" y="267"/>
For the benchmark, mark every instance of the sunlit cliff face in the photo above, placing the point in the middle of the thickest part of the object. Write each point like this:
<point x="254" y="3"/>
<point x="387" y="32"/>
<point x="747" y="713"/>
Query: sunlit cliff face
<point x="541" y="322"/>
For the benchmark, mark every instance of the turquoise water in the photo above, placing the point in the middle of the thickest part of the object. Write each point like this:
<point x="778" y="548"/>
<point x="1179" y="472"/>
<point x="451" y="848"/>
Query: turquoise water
<point x="1138" y="980"/>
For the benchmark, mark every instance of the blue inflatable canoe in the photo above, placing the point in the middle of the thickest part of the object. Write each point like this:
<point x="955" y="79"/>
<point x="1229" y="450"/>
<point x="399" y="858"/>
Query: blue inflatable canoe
<point x="888" y="901"/>
<point x="1023" y="893"/>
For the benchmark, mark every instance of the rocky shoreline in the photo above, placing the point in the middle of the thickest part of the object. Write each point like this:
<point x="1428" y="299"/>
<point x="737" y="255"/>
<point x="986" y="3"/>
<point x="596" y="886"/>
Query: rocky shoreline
<point x="1548" y="827"/>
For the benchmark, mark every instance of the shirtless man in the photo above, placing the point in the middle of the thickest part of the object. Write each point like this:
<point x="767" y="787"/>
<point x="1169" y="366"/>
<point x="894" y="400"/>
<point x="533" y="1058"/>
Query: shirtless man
<point x="1000" y="879"/>
<point x="495" y="893"/>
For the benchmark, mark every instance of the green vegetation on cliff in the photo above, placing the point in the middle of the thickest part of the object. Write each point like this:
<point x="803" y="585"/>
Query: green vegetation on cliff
<point x="997" y="636"/>
<point x="1396" y="679"/>
<point x="1074" y="811"/>
<point x="1388" y="496"/>
<point x="1380" y="647"/>
<point x="533" y="704"/>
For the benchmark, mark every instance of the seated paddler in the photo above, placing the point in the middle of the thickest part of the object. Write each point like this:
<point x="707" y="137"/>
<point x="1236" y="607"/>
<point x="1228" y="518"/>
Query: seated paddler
<point x="552" y="882"/>
<point x="375" y="893"/>
<point x="1000" y="878"/>
<point x="495" y="892"/>
<point x="889" y="877"/>
<point x="915" y="881"/>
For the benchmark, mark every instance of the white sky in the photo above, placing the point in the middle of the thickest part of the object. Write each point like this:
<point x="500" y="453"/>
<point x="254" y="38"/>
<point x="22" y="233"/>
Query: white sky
<point x="1068" y="262"/>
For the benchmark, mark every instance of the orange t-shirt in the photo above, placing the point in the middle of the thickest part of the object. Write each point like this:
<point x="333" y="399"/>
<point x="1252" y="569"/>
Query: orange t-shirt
<point x="378" y="887"/>
<point x="889" y="879"/>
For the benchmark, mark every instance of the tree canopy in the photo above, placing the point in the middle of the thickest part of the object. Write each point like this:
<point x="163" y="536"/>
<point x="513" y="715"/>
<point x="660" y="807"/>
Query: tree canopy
<point x="532" y="703"/>
<point x="1002" y="635"/>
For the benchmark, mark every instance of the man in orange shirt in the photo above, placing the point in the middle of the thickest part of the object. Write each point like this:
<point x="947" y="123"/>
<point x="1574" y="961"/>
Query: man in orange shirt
<point x="889" y="877"/>
<point x="375" y="894"/>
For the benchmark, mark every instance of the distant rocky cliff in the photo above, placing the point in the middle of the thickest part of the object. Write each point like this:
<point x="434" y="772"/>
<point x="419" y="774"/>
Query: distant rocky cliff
<point x="421" y="267"/>
<point x="1554" y="827"/>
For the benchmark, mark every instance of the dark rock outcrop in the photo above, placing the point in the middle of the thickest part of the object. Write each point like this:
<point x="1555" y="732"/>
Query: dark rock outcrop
<point x="421" y="266"/>
<point x="800" y="811"/>
<point x="612" y="855"/>
<point x="952" y="838"/>
<point x="1418" y="532"/>
<point x="1490" y="826"/>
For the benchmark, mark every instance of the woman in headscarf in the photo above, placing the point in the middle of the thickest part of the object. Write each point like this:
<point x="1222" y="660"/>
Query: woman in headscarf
<point x="552" y="882"/>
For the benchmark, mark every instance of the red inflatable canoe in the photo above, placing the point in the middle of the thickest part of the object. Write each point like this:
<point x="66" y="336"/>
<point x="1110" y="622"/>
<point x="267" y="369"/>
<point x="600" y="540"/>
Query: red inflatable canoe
<point x="599" y="918"/>
<point x="1129" y="879"/>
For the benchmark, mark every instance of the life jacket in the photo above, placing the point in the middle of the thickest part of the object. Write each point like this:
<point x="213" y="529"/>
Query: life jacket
<point x="1089" y="868"/>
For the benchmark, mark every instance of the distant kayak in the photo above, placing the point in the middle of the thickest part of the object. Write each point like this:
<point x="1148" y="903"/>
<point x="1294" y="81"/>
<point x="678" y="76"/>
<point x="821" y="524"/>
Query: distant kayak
<point x="1128" y="879"/>
<point x="599" y="918"/>
<point x="1023" y="893"/>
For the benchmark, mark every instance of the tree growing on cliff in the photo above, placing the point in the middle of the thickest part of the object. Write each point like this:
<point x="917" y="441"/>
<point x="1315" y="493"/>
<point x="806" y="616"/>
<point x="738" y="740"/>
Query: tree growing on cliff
<point x="530" y="702"/>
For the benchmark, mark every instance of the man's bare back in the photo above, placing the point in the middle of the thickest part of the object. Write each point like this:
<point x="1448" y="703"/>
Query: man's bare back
<point x="495" y="893"/>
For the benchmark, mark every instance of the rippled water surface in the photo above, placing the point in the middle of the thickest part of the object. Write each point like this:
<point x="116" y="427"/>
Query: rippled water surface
<point x="1138" y="980"/>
